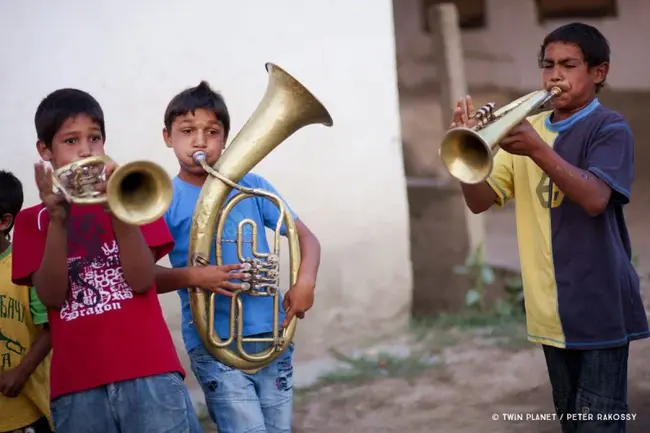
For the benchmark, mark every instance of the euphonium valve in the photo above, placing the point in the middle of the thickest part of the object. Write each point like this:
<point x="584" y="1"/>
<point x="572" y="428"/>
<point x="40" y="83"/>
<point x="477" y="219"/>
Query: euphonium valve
<point x="137" y="193"/>
<point x="286" y="107"/>
<point x="468" y="153"/>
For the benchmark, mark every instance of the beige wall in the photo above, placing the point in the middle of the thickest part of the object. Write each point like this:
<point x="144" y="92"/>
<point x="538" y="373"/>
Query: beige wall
<point x="346" y="182"/>
<point x="505" y="52"/>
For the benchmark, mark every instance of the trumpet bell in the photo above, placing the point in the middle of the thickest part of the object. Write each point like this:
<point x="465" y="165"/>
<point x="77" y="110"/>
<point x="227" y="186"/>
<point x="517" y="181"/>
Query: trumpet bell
<point x="466" y="155"/>
<point x="139" y="192"/>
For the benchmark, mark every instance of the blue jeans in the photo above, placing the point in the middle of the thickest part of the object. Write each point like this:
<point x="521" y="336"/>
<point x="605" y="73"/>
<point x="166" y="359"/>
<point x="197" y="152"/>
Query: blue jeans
<point x="588" y="384"/>
<point x="155" y="404"/>
<point x="253" y="403"/>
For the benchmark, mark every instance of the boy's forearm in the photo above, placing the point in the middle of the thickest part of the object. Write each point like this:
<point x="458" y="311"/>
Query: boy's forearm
<point x="135" y="256"/>
<point x="51" y="279"/>
<point x="582" y="187"/>
<point x="310" y="251"/>
<point x="37" y="353"/>
<point x="172" y="279"/>
<point x="479" y="197"/>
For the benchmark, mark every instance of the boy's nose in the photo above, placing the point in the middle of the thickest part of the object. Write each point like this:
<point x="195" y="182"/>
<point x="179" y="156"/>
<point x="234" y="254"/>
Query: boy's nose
<point x="557" y="75"/>
<point x="84" y="150"/>
<point x="200" y="142"/>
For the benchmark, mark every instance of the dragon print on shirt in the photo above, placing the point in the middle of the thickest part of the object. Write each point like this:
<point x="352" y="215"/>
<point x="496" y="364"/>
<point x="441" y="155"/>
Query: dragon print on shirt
<point x="97" y="283"/>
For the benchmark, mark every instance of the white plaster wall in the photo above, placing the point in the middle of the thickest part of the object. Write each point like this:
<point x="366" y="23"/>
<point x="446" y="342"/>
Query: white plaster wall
<point x="346" y="182"/>
<point x="505" y="52"/>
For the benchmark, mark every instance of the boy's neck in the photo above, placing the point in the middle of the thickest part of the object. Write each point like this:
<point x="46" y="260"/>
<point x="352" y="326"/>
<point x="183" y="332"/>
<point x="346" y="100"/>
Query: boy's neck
<point x="559" y="115"/>
<point x="4" y="245"/>
<point x="192" y="179"/>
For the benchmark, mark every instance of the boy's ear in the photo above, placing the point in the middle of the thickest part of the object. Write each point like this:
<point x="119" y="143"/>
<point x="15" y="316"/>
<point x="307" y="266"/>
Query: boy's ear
<point x="166" y="137"/>
<point x="5" y="221"/>
<point x="600" y="73"/>
<point x="46" y="154"/>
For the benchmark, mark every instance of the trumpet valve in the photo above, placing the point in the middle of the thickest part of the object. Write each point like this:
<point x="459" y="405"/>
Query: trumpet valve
<point x="485" y="114"/>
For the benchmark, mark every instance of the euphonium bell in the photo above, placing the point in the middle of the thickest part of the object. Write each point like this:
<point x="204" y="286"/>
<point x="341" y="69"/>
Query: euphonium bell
<point x="137" y="193"/>
<point x="468" y="153"/>
<point x="286" y="107"/>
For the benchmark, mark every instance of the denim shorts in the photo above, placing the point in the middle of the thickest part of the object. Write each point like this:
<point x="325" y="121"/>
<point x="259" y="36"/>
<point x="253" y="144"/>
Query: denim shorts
<point x="239" y="402"/>
<point x="155" y="404"/>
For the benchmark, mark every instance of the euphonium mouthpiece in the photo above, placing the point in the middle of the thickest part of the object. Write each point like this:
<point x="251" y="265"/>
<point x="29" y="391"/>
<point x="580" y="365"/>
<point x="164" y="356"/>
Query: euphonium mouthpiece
<point x="199" y="156"/>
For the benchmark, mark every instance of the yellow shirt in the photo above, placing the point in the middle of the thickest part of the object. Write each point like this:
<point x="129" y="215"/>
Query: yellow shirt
<point x="21" y="317"/>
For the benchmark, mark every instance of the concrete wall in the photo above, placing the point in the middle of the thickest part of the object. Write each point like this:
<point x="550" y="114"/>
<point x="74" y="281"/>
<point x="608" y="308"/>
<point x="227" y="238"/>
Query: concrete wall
<point x="346" y="182"/>
<point x="504" y="53"/>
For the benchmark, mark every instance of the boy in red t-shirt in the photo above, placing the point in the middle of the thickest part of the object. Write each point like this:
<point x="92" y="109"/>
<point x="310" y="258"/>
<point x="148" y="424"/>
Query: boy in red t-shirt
<point x="114" y="365"/>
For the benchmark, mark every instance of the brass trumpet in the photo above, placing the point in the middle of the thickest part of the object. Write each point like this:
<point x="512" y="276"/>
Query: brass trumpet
<point x="468" y="153"/>
<point x="286" y="107"/>
<point x="137" y="193"/>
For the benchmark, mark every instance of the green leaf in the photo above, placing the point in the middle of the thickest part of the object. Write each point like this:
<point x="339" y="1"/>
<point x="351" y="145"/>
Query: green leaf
<point x="487" y="275"/>
<point x="472" y="298"/>
<point x="504" y="308"/>
<point x="461" y="270"/>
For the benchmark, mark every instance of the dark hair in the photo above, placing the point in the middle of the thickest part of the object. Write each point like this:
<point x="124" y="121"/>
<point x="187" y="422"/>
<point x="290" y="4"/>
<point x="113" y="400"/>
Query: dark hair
<point x="59" y="106"/>
<point x="592" y="43"/>
<point x="11" y="196"/>
<point x="201" y="96"/>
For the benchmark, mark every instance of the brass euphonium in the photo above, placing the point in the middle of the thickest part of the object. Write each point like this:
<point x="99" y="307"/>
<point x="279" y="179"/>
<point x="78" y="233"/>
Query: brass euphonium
<point x="468" y="153"/>
<point x="137" y="193"/>
<point x="286" y="107"/>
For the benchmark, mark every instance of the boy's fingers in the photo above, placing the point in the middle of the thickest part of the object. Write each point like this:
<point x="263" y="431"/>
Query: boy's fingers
<point x="458" y="117"/>
<point x="288" y="318"/>
<point x="470" y="105"/>
<point x="238" y="276"/>
<point x="227" y="285"/>
<point x="38" y="173"/>
<point x="234" y="267"/>
<point x="221" y="291"/>
<point x="463" y="111"/>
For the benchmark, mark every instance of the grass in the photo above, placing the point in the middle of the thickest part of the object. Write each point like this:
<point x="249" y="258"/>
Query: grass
<point x="450" y="329"/>
<point x="469" y="320"/>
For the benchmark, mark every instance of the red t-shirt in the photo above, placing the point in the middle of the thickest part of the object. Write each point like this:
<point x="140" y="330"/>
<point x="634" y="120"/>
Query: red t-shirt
<point x="104" y="333"/>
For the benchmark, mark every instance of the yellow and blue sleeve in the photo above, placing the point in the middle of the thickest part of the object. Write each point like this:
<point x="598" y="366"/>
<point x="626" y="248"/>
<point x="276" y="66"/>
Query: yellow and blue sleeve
<point x="501" y="179"/>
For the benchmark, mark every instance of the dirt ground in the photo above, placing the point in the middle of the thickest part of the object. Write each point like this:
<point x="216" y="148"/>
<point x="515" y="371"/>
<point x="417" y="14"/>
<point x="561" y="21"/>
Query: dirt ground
<point x="475" y="382"/>
<point x="461" y="397"/>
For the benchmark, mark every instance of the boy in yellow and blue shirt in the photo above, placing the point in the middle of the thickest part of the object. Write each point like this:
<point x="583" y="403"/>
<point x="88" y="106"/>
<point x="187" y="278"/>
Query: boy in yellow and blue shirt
<point x="570" y="170"/>
<point x="24" y="335"/>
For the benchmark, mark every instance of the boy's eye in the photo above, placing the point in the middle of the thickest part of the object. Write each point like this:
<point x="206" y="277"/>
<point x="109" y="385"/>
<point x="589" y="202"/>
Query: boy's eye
<point x="186" y="130"/>
<point x="213" y="132"/>
<point x="70" y="140"/>
<point x="96" y="138"/>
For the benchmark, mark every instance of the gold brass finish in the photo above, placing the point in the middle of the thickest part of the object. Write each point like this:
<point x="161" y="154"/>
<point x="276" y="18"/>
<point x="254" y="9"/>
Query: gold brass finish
<point x="468" y="153"/>
<point x="286" y="107"/>
<point x="137" y="193"/>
